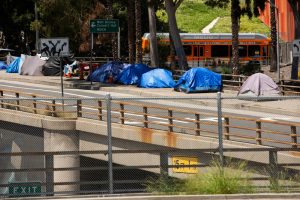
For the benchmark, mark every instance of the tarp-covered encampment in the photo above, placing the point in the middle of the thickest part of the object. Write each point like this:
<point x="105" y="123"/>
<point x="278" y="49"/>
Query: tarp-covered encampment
<point x="32" y="66"/>
<point x="14" y="66"/>
<point x="23" y="57"/>
<point x="132" y="74"/>
<point x="199" y="80"/>
<point x="157" y="78"/>
<point x="52" y="66"/>
<point x="259" y="85"/>
<point x="107" y="73"/>
<point x="2" y="65"/>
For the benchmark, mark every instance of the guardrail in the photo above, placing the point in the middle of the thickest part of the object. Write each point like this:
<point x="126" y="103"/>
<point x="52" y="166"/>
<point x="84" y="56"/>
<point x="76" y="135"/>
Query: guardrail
<point x="152" y="116"/>
<point x="266" y="173"/>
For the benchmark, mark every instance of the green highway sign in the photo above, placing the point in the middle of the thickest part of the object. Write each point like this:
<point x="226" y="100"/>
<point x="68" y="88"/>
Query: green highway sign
<point x="25" y="189"/>
<point x="104" y="25"/>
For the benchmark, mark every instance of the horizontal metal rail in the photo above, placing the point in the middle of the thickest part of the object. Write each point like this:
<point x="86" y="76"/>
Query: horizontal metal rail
<point x="155" y="116"/>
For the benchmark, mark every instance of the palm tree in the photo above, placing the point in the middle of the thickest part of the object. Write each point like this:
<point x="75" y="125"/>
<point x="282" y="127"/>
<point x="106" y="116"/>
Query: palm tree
<point x="273" y="23"/>
<point x="131" y="31"/>
<point x="235" y="26"/>
<point x="138" y="29"/>
<point x="114" y="35"/>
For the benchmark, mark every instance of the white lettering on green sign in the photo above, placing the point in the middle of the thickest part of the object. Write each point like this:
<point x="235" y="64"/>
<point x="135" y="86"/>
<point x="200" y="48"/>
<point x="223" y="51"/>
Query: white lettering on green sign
<point x="23" y="189"/>
<point x="104" y="26"/>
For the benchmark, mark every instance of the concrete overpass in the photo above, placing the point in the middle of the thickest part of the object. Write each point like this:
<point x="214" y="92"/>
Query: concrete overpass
<point x="27" y="132"/>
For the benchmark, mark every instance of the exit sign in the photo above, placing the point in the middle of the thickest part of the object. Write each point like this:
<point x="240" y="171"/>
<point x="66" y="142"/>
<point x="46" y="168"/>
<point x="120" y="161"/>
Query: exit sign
<point x="25" y="189"/>
<point x="104" y="25"/>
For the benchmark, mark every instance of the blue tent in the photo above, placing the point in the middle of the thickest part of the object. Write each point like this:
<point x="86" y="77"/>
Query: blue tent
<point x="2" y="65"/>
<point x="14" y="66"/>
<point x="107" y="73"/>
<point x="132" y="74"/>
<point x="199" y="80"/>
<point x="157" y="78"/>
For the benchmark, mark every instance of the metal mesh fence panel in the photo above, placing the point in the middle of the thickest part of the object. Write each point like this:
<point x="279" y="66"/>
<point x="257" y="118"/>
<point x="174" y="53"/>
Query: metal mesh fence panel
<point x="62" y="146"/>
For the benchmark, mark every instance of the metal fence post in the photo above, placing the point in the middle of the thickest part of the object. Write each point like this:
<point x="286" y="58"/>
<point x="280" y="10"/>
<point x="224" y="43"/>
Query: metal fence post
<point x="1" y="96"/>
<point x="18" y="101"/>
<point x="122" y="115"/>
<point x="170" y="116"/>
<point x="100" y="110"/>
<point x="145" y="110"/>
<point x="164" y="164"/>
<point x="273" y="161"/>
<point x="220" y="125"/>
<point x="226" y="127"/>
<point x="49" y="164"/>
<point x="34" y="104"/>
<point x="109" y="143"/>
<point x="79" y="108"/>
<point x="294" y="136"/>
<point x="258" y="133"/>
<point x="197" y="120"/>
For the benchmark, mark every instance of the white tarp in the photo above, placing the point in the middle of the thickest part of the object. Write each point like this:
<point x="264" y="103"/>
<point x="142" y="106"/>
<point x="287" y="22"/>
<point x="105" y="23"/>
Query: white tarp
<point x="32" y="66"/>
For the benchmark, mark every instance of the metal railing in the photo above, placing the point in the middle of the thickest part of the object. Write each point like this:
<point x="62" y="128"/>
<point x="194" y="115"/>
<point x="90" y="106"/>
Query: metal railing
<point x="158" y="117"/>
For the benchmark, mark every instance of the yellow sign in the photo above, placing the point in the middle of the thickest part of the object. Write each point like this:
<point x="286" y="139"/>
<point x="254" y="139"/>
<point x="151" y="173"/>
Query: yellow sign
<point x="181" y="162"/>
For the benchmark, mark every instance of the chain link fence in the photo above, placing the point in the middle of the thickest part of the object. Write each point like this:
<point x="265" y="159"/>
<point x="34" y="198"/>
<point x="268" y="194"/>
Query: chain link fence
<point x="51" y="146"/>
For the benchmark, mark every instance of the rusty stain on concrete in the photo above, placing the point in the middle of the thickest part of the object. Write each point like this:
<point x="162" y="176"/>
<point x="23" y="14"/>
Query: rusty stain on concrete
<point x="171" y="139"/>
<point x="146" y="135"/>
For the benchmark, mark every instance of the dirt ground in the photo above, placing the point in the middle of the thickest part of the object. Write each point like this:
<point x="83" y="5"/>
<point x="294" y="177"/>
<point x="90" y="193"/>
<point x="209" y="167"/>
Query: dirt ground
<point x="285" y="72"/>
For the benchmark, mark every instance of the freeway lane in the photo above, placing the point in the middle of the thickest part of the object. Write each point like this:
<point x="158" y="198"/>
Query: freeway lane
<point x="159" y="117"/>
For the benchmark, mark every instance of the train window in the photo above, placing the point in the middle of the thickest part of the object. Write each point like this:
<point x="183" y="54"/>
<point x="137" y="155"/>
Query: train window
<point x="195" y="51"/>
<point x="242" y="51"/>
<point x="253" y="50"/>
<point x="187" y="50"/>
<point x="264" y="51"/>
<point x="219" y="51"/>
<point x="201" y="51"/>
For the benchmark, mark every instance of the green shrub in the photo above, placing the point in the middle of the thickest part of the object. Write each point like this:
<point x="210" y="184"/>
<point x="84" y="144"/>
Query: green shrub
<point x="250" y="68"/>
<point x="229" y="179"/>
<point x="164" y="184"/>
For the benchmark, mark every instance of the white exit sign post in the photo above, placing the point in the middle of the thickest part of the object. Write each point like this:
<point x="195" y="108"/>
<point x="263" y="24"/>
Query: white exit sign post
<point x="25" y="189"/>
<point x="296" y="48"/>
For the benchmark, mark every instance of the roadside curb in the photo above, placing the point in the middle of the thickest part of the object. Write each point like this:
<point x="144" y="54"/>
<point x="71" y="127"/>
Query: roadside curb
<point x="265" y="196"/>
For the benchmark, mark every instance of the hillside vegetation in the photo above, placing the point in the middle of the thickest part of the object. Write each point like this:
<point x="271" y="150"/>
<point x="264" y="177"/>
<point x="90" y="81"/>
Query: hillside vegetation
<point x="193" y="15"/>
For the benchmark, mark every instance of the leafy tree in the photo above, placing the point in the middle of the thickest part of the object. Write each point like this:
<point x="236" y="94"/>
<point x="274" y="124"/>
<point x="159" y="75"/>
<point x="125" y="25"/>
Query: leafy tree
<point x="15" y="16"/>
<point x="295" y="5"/>
<point x="63" y="18"/>
<point x="237" y="10"/>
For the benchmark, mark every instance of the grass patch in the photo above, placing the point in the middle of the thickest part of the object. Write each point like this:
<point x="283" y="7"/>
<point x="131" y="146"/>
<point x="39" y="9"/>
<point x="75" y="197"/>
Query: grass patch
<point x="247" y="26"/>
<point x="193" y="15"/>
<point x="230" y="179"/>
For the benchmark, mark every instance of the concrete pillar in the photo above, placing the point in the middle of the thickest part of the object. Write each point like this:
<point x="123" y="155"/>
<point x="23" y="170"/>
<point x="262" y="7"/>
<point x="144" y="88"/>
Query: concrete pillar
<point x="60" y="135"/>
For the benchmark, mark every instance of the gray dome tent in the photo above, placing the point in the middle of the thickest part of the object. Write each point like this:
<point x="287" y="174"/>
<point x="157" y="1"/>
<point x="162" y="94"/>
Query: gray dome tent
<point x="258" y="85"/>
